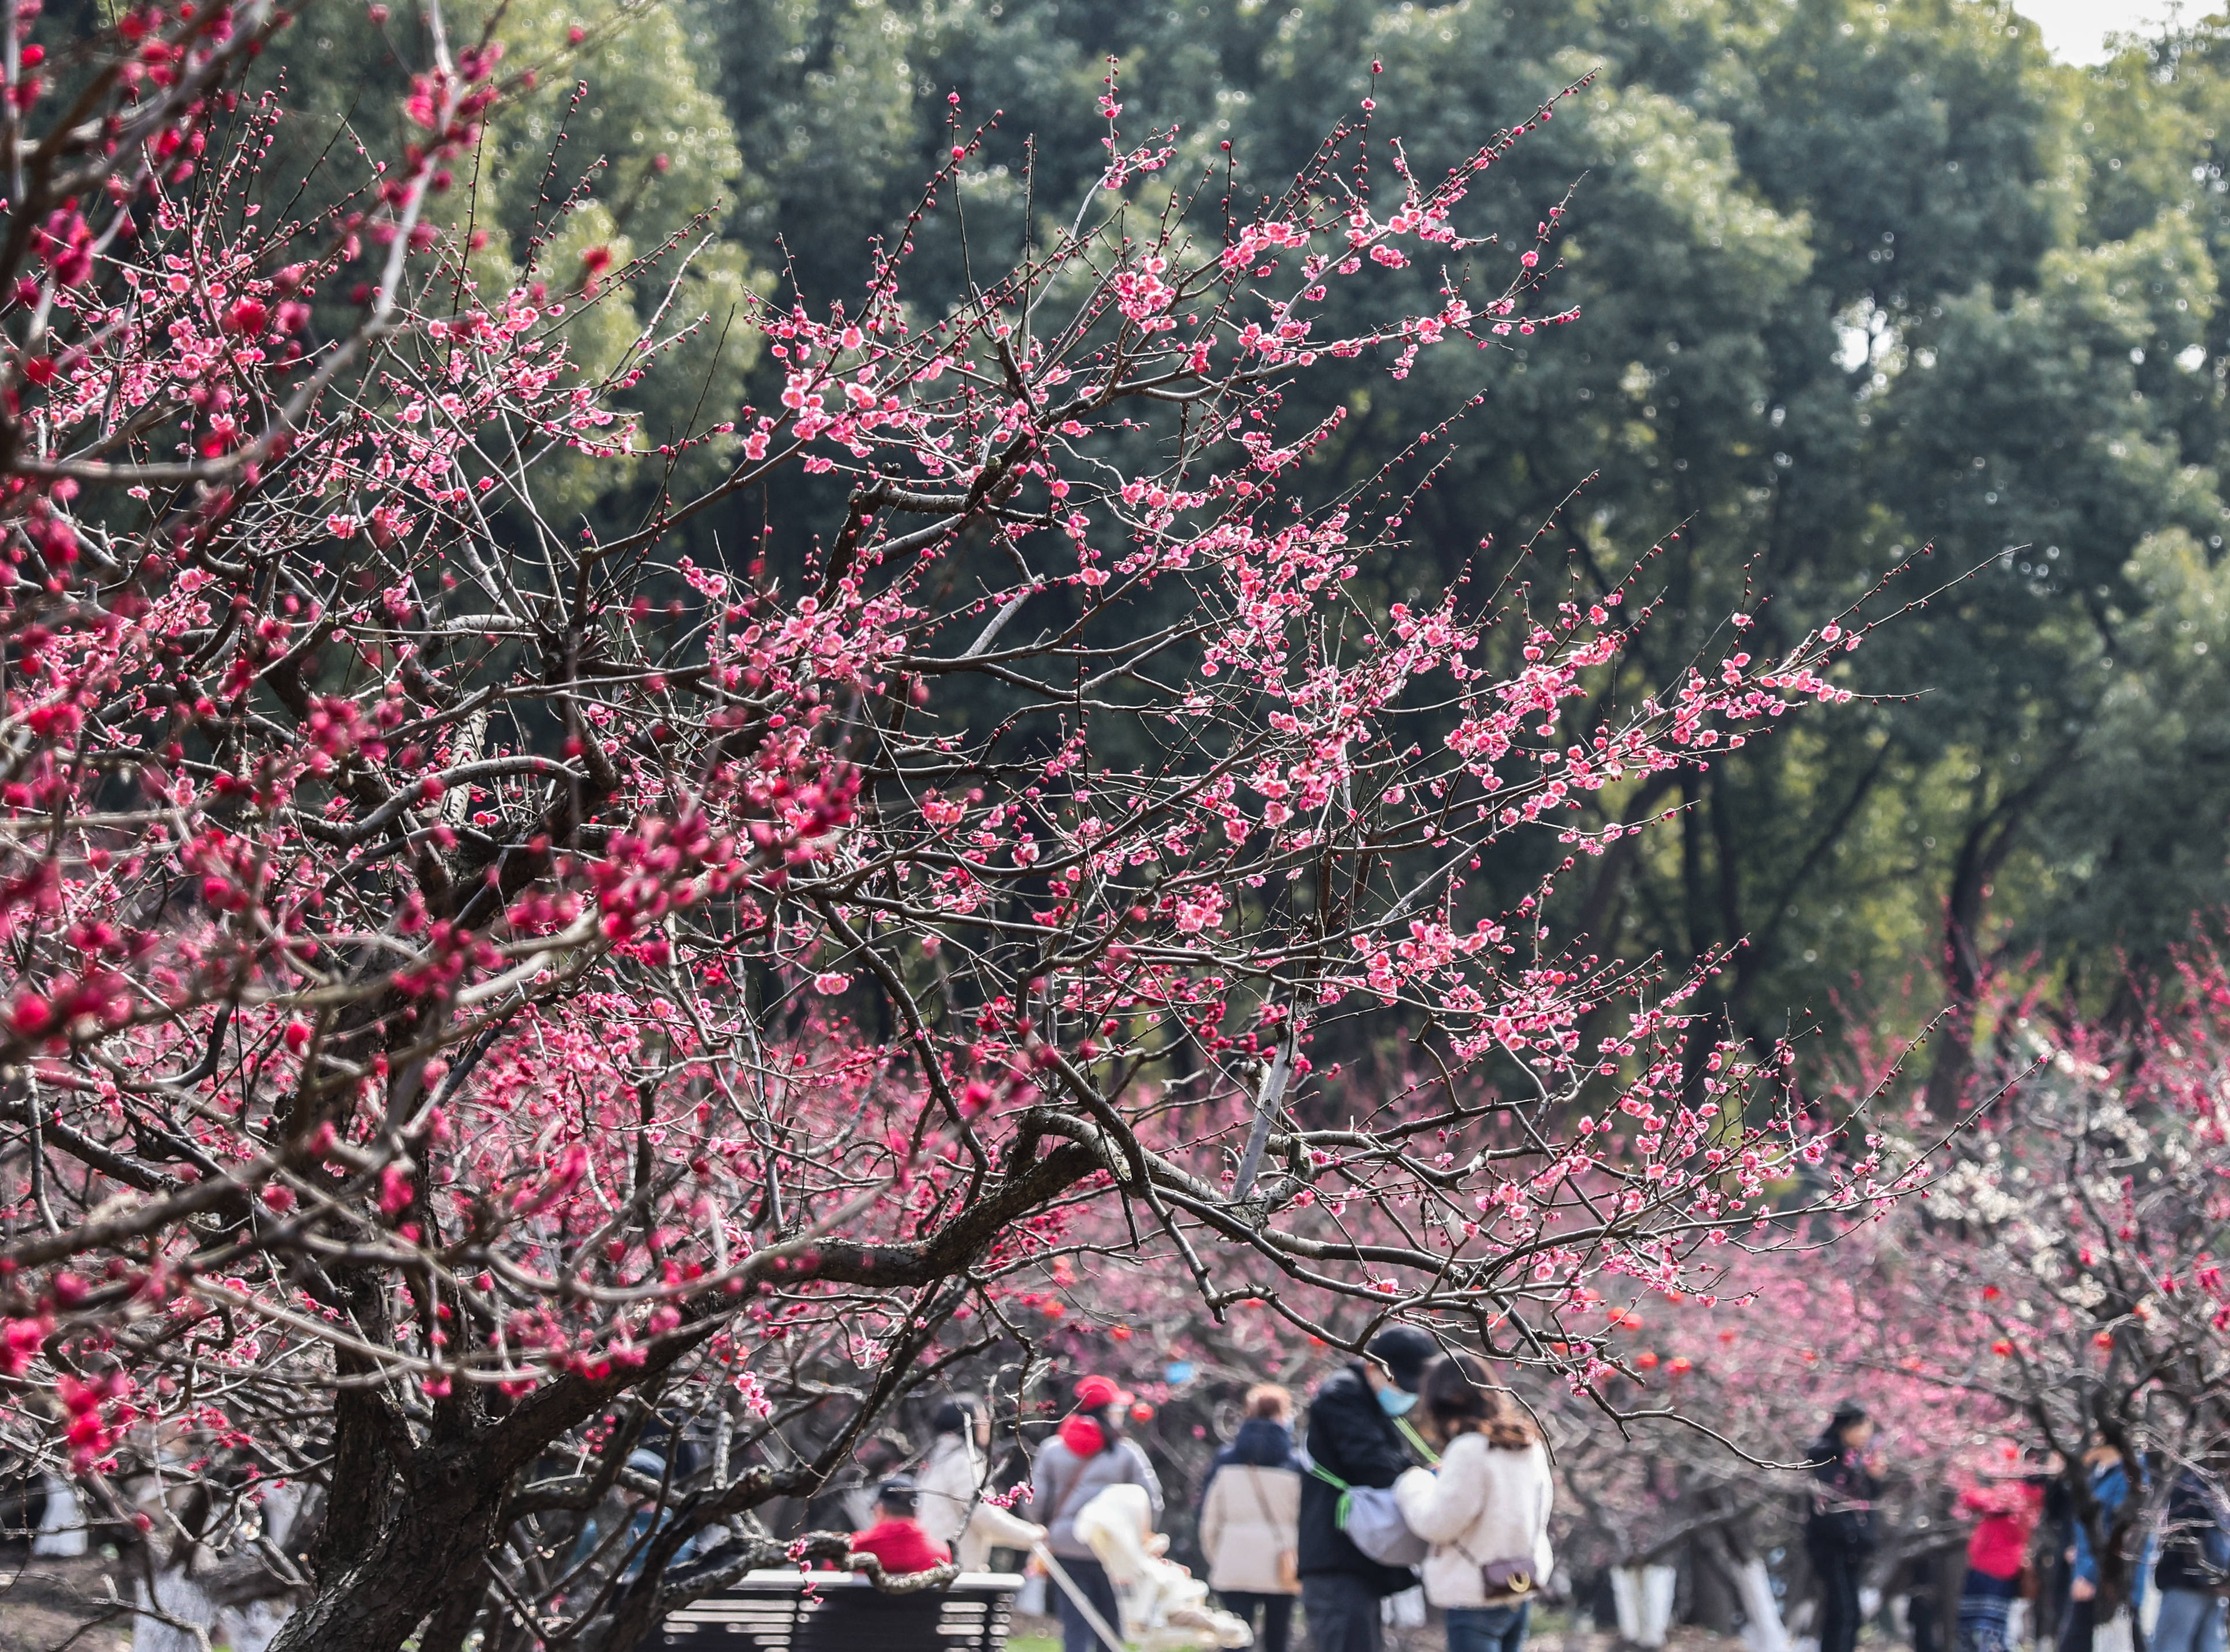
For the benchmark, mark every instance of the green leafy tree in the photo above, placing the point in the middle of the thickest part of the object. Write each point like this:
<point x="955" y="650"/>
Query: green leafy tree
<point x="1863" y="288"/>
<point x="607" y="178"/>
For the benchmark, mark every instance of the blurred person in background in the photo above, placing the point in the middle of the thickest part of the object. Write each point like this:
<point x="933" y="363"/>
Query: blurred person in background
<point x="2193" y="1567"/>
<point x="2109" y="1479"/>
<point x="1250" y="1518"/>
<point x="1839" y="1530"/>
<point x="949" y="1489"/>
<point x="897" y="1538"/>
<point x="2006" y="1508"/>
<point x="1087" y="1454"/>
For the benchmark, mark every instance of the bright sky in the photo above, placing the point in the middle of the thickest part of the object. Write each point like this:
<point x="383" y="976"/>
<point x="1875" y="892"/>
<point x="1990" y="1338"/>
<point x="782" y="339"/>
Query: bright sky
<point x="2076" y="30"/>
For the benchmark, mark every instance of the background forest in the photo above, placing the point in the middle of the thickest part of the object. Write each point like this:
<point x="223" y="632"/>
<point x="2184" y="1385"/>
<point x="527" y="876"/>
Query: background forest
<point x="1863" y="286"/>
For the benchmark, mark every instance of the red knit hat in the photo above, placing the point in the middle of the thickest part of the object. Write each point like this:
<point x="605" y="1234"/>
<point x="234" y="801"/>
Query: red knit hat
<point x="1095" y="1391"/>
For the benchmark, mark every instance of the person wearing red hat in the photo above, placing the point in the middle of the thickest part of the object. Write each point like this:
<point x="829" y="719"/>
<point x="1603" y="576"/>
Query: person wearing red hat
<point x="1086" y="1454"/>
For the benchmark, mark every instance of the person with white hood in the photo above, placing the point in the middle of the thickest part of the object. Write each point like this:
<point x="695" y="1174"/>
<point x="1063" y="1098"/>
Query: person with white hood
<point x="1484" y="1510"/>
<point x="948" y="1497"/>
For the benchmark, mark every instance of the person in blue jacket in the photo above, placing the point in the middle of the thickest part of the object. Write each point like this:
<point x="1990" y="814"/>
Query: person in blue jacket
<point x="2110" y="1489"/>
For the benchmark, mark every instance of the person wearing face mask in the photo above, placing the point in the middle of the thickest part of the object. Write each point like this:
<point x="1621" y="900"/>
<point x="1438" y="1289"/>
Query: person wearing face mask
<point x="1354" y="1432"/>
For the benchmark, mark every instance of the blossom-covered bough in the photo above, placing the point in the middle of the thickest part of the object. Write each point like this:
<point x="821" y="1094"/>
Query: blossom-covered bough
<point x="2071" y="1257"/>
<point x="489" y="996"/>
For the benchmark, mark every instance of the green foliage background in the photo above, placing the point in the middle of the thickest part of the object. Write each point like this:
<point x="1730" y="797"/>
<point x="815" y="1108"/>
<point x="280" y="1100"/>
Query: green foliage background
<point x="1857" y="279"/>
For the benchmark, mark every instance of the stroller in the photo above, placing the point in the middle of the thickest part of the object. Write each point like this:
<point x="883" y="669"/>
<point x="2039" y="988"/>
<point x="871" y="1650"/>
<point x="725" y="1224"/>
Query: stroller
<point x="1164" y="1607"/>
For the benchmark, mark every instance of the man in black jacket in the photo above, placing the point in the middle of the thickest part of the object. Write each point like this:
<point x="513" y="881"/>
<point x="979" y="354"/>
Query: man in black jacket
<point x="1351" y="1434"/>
<point x="1839" y="1531"/>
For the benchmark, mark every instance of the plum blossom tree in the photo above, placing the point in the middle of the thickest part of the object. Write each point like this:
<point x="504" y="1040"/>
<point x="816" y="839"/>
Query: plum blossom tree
<point x="2071" y="1252"/>
<point x="489" y="999"/>
<point x="1715" y="1405"/>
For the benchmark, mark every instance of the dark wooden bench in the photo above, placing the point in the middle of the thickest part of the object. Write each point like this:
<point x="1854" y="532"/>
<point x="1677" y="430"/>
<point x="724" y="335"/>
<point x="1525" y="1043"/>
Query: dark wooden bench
<point x="771" y="1611"/>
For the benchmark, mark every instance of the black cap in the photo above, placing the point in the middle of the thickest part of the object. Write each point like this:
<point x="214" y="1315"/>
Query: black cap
<point x="1405" y="1352"/>
<point x="1847" y="1412"/>
<point x="897" y="1492"/>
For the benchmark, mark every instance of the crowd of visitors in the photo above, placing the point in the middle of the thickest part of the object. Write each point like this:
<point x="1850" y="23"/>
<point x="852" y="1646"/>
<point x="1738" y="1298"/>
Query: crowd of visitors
<point x="2037" y="1569"/>
<point x="1417" y="1472"/>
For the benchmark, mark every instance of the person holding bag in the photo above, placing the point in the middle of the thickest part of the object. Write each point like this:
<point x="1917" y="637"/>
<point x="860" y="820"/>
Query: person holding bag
<point x="1355" y="1446"/>
<point x="1485" y="1512"/>
<point x="1250" y="1518"/>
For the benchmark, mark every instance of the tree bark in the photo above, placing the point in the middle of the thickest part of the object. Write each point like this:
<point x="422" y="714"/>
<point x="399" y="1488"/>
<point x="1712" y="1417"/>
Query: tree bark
<point x="425" y="1554"/>
<point x="1988" y="839"/>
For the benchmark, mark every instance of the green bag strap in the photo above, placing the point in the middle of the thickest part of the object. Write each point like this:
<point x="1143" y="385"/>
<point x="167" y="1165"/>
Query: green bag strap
<point x="1424" y="1450"/>
<point x="1346" y="1492"/>
<point x="1432" y="1457"/>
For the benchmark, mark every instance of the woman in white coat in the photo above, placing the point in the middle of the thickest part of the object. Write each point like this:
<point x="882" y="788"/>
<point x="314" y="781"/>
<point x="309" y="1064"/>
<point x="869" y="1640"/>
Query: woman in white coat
<point x="949" y="1489"/>
<point x="1250" y="1518"/>
<point x="1484" y="1510"/>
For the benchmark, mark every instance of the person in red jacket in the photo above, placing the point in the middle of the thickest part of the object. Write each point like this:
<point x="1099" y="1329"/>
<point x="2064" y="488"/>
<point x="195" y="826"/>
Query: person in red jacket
<point x="2006" y="1509"/>
<point x="897" y="1538"/>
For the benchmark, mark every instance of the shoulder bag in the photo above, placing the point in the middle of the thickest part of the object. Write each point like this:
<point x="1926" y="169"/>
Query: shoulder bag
<point x="1289" y="1558"/>
<point x="1372" y="1521"/>
<point x="1504" y="1583"/>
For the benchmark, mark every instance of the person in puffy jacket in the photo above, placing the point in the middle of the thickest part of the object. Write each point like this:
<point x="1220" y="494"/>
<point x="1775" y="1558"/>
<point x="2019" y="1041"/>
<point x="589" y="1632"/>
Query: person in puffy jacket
<point x="1352" y="1434"/>
<point x="1839" y="1528"/>
<point x="949" y="1487"/>
<point x="1086" y="1454"/>
<point x="2007" y="1509"/>
<point x="1486" y="1507"/>
<point x="897" y="1538"/>
<point x="1250" y="1518"/>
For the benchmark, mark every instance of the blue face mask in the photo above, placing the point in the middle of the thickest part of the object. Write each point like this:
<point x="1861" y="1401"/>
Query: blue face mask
<point x="1396" y="1401"/>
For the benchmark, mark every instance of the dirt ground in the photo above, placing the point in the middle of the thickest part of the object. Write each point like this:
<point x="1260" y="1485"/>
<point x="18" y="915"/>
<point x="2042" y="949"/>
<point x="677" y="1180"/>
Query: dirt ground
<point x="43" y="1603"/>
<point x="1033" y="1634"/>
